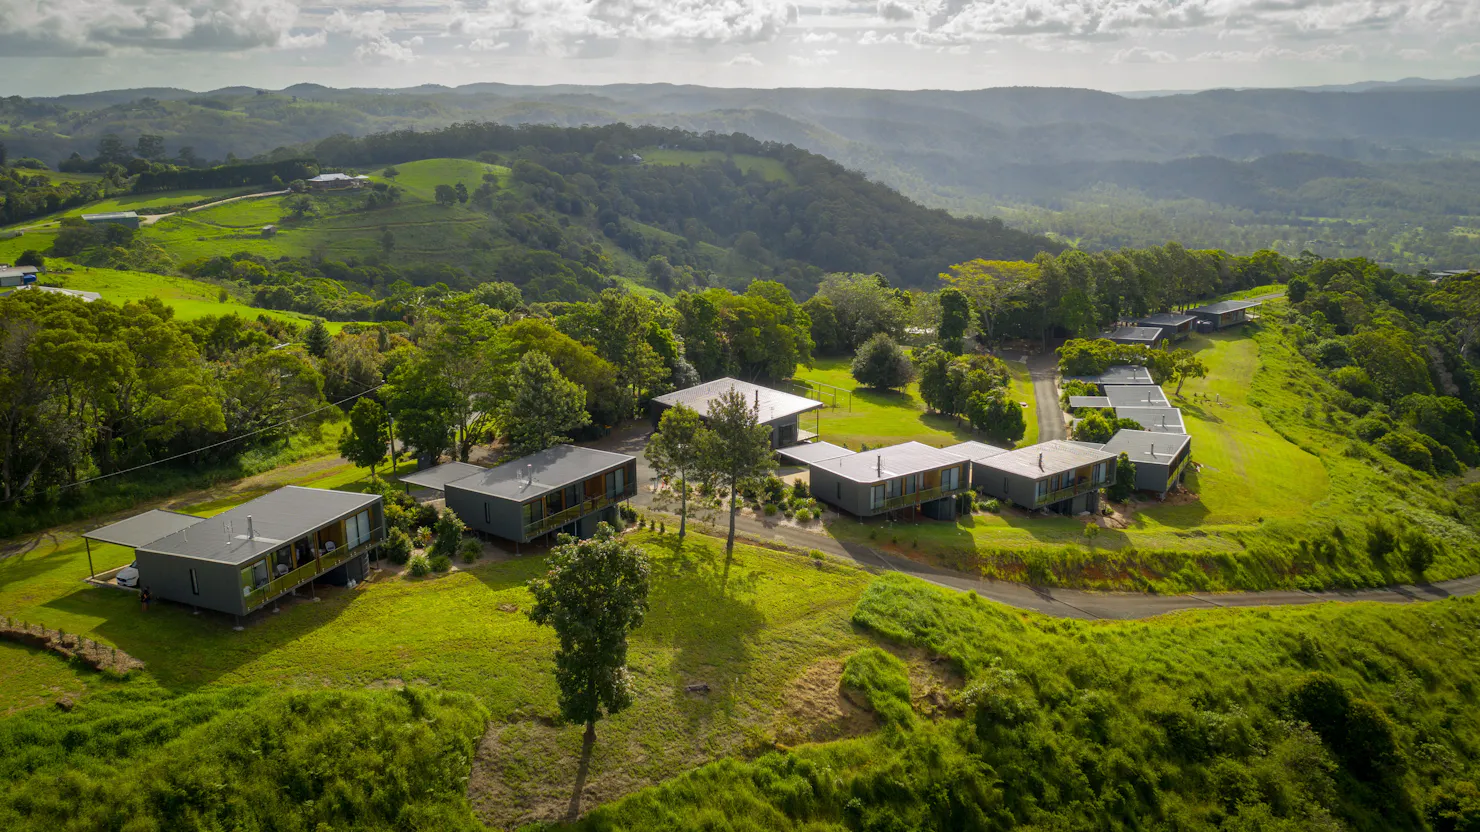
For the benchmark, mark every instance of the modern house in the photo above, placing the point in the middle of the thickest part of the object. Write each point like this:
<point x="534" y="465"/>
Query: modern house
<point x="907" y="476"/>
<point x="1174" y="326"/>
<point x="779" y="411"/>
<point x="335" y="181"/>
<point x="565" y="489"/>
<point x="1160" y="458"/>
<point x="1136" y="395"/>
<point x="1224" y="313"/>
<point x="1155" y="419"/>
<point x="1061" y="476"/>
<point x="1146" y="336"/>
<point x="1120" y="374"/>
<point x="128" y="218"/>
<point x="244" y="559"/>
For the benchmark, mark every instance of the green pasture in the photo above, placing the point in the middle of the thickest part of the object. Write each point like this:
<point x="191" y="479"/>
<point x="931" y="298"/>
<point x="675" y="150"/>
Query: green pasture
<point x="191" y="299"/>
<point x="876" y="417"/>
<point x="772" y="170"/>
<point x="420" y="179"/>
<point x="1020" y="388"/>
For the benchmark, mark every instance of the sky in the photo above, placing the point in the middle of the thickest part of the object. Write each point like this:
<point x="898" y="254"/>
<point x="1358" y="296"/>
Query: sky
<point x="52" y="47"/>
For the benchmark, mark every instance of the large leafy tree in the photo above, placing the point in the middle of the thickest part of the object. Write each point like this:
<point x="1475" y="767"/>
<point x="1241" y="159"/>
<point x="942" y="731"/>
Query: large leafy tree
<point x="997" y="415"/>
<point x="734" y="449"/>
<point x="544" y="406"/>
<point x="955" y="317"/>
<point x="865" y="306"/>
<point x="992" y="287"/>
<point x="675" y="453"/>
<point x="422" y="403"/>
<point x="1184" y="365"/>
<point x="594" y="594"/>
<point x="882" y="364"/>
<point x="365" y="440"/>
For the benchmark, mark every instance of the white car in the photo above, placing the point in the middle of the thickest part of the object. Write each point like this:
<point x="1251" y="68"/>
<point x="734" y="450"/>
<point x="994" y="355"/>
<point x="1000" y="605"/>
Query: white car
<point x="128" y="575"/>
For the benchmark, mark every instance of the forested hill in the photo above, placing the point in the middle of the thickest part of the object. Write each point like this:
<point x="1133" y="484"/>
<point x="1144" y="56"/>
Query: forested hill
<point x="803" y="211"/>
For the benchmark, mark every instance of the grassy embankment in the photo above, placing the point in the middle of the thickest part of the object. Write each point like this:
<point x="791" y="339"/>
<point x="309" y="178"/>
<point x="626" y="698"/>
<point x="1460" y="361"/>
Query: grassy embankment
<point x="751" y="629"/>
<point x="1276" y="483"/>
<point x="1333" y="717"/>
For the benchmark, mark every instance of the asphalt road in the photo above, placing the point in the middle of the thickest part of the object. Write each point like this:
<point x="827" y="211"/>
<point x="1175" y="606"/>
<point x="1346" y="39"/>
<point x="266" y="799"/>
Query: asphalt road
<point x="1044" y="370"/>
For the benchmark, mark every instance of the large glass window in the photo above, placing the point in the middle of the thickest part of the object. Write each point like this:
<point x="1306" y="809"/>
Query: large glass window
<point x="1043" y="488"/>
<point x="876" y="495"/>
<point x="950" y="478"/>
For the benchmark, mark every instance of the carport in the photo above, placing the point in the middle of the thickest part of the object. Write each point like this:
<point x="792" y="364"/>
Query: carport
<point x="814" y="452"/>
<point x="139" y="530"/>
<point x="437" y="477"/>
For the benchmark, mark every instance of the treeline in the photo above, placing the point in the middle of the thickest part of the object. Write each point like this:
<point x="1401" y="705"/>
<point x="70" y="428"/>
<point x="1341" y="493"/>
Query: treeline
<point x="172" y="178"/>
<point x="821" y="215"/>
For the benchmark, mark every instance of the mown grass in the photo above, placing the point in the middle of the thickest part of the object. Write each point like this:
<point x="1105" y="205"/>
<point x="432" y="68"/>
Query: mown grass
<point x="191" y="299"/>
<point x="420" y="179"/>
<point x="1194" y="721"/>
<point x="1021" y="390"/>
<point x="30" y="677"/>
<point x="772" y="170"/>
<point x="875" y="417"/>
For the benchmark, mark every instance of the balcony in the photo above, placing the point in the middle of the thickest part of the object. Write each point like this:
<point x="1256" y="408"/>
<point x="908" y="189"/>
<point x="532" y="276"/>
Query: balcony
<point x="575" y="512"/>
<point x="289" y="581"/>
<point x="1081" y="487"/>
<point x="922" y="496"/>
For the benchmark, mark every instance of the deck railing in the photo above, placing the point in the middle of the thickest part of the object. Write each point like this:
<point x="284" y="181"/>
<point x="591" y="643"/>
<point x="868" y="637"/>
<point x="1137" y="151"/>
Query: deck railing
<point x="924" y="495"/>
<point x="1074" y="490"/>
<point x="554" y="521"/>
<point x="290" y="581"/>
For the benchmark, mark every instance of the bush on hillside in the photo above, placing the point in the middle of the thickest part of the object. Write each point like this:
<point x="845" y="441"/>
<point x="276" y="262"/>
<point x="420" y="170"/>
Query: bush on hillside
<point x="1358" y="733"/>
<point x="397" y="546"/>
<point x="882" y="364"/>
<point x="448" y="532"/>
<point x="881" y="678"/>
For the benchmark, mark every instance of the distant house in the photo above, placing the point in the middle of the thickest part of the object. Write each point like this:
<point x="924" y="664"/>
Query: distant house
<point x="1145" y="336"/>
<point x="11" y="278"/>
<point x="1174" y="326"/>
<point x="777" y="410"/>
<point x="1156" y="419"/>
<point x="1225" y="313"/>
<point x="1121" y="374"/>
<point x="906" y="476"/>
<point x="245" y="558"/>
<point x="269" y="231"/>
<point x="128" y="218"/>
<point x="333" y="182"/>
<point x="565" y="489"/>
<point x="1060" y="476"/>
<point x="1161" y="459"/>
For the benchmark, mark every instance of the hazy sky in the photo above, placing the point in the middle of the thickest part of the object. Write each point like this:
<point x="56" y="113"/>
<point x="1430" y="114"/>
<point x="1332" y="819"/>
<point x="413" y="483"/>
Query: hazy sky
<point x="58" y="46"/>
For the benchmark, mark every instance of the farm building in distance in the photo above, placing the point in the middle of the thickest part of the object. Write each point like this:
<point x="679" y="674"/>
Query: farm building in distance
<point x="125" y="218"/>
<point x="910" y="475"/>
<point x="1224" y="313"/>
<point x="245" y="558"/>
<point x="565" y="489"/>
<point x="336" y="181"/>
<point x="1174" y="326"/>
<point x="779" y="411"/>
<point x="1061" y="476"/>
<point x="1160" y="458"/>
<point x="15" y="277"/>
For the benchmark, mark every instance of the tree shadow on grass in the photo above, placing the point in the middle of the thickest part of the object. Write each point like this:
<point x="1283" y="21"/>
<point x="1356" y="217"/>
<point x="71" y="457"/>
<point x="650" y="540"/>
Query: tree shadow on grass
<point x="948" y="424"/>
<point x="702" y="605"/>
<point x="1189" y="408"/>
<point x="184" y="651"/>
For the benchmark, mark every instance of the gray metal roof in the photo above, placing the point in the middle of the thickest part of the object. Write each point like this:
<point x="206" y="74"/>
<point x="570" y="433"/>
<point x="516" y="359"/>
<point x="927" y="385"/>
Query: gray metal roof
<point x="1138" y="334"/>
<point x="143" y="528"/>
<point x="1148" y="447"/>
<point x="85" y="297"/>
<point x="540" y="473"/>
<point x="278" y="518"/>
<point x="975" y="451"/>
<point x="1136" y="395"/>
<point x="1119" y="374"/>
<point x="1223" y="307"/>
<point x="813" y="452"/>
<point x="881" y="464"/>
<point x="1089" y="401"/>
<point x="111" y="215"/>
<point x="1056" y="455"/>
<point x="770" y="404"/>
<point x="1173" y="319"/>
<point x="437" y="476"/>
<point x="17" y="271"/>
<point x="1159" y="419"/>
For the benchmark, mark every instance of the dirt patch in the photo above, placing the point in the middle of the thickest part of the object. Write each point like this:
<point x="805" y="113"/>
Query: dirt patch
<point x="70" y="646"/>
<point x="817" y="708"/>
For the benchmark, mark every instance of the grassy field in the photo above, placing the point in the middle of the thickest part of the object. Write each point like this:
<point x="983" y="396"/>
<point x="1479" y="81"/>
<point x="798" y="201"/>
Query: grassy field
<point x="189" y="298"/>
<point x="420" y="179"/>
<point x="772" y="170"/>
<point x="767" y="619"/>
<point x="1021" y="390"/>
<point x="876" y="417"/>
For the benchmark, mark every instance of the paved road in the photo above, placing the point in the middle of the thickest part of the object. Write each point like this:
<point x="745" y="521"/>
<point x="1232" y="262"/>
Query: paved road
<point x="1063" y="603"/>
<point x="150" y="219"/>
<point x="1044" y="369"/>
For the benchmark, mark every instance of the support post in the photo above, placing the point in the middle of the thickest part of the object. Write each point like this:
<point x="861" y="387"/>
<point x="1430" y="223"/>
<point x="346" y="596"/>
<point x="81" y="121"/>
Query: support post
<point x="90" y="572"/>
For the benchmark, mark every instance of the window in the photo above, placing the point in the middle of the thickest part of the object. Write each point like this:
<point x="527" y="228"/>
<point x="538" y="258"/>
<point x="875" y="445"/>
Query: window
<point x="950" y="479"/>
<point x="621" y="480"/>
<point x="840" y="490"/>
<point x="875" y="495"/>
<point x="194" y="583"/>
<point x="1042" y="489"/>
<point x="912" y="483"/>
<point x="486" y="518"/>
<point x="357" y="529"/>
<point x="893" y="488"/>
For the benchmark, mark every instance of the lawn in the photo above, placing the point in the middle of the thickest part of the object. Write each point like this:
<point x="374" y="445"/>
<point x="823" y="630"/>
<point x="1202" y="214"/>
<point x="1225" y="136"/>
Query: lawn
<point x="772" y="170"/>
<point x="748" y="628"/>
<point x="420" y="179"/>
<point x="875" y="417"/>
<point x="1021" y="391"/>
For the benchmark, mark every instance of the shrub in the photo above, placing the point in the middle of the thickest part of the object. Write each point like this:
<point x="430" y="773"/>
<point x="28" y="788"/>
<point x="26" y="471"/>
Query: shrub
<point x="420" y="566"/>
<point x="627" y="513"/>
<point x="774" y="488"/>
<point x="471" y="550"/>
<point x="423" y="537"/>
<point x="800" y="490"/>
<point x="1407" y="448"/>
<point x="1355" y="381"/>
<point x="1419" y="550"/>
<point x="425" y="515"/>
<point x="440" y="563"/>
<point x="1358" y="733"/>
<point x="449" y="534"/>
<point x="397" y="547"/>
<point x="882" y="364"/>
<point x="1370" y="428"/>
<point x="1381" y="539"/>
<point x="770" y="509"/>
<point x="804" y="516"/>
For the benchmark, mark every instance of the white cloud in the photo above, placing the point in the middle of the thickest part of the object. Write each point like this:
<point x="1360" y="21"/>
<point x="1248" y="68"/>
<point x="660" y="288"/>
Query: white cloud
<point x="1414" y="54"/>
<point x="382" y="49"/>
<point x="371" y="24"/>
<point x="814" y="36"/>
<point x="488" y="45"/>
<point x="1320" y="54"/>
<point x="566" y="22"/>
<point x="30" y="27"/>
<point x="872" y="37"/>
<point x="1469" y="51"/>
<point x="819" y="57"/>
<point x="744" y="59"/>
<point x="1142" y="55"/>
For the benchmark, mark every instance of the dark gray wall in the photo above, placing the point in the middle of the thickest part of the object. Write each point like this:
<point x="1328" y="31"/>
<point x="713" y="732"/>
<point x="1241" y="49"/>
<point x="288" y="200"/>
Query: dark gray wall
<point x="505" y="518"/>
<point x="1003" y="485"/>
<point x="168" y="578"/>
<point x="840" y="493"/>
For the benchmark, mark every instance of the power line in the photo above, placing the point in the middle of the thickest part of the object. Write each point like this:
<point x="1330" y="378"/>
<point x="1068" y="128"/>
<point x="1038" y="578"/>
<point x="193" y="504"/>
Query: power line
<point x="214" y="444"/>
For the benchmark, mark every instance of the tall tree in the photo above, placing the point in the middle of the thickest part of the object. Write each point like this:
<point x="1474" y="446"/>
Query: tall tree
<point x="365" y="439"/>
<point x="864" y="306"/>
<point x="991" y="284"/>
<point x="150" y="147"/>
<point x="316" y="338"/>
<point x="1185" y="365"/>
<point x="734" y="449"/>
<point x="674" y="453"/>
<point x="882" y="364"/>
<point x="955" y="316"/>
<point x="544" y="406"/>
<point x="422" y="403"/>
<point x="594" y="593"/>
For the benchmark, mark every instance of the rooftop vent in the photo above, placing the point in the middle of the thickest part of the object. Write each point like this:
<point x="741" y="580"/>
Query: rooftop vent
<point x="1040" y="461"/>
<point x="251" y="533"/>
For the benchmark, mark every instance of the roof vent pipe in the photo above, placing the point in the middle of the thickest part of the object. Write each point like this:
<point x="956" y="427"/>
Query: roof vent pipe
<point x="879" y="461"/>
<point x="251" y="533"/>
<point x="1153" y="450"/>
<point x="1040" y="461"/>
